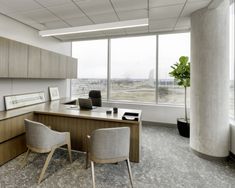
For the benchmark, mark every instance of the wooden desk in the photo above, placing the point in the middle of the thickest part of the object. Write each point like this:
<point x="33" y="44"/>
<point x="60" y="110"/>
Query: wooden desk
<point x="63" y="118"/>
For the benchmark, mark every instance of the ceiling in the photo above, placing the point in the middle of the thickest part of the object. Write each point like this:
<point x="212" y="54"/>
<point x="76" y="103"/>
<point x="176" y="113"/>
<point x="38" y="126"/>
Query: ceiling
<point x="164" y="15"/>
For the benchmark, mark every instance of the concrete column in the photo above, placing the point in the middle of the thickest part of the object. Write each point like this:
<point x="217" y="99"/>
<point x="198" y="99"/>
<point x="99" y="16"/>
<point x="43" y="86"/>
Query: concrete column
<point x="209" y="129"/>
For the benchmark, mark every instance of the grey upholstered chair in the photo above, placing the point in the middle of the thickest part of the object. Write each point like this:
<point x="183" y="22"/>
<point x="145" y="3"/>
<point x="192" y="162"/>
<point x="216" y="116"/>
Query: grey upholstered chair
<point x="109" y="145"/>
<point x="95" y="96"/>
<point x="41" y="139"/>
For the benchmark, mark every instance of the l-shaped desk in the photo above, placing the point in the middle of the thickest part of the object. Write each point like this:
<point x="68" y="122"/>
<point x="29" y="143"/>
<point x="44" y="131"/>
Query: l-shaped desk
<point x="62" y="118"/>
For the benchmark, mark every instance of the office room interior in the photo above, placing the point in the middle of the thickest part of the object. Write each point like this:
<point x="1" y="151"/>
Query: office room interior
<point x="117" y="93"/>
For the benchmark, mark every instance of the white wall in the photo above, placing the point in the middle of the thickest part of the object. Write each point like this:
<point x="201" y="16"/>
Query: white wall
<point x="153" y="113"/>
<point x="14" y="30"/>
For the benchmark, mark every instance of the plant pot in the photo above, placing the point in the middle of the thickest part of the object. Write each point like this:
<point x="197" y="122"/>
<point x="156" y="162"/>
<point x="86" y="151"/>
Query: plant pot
<point x="183" y="127"/>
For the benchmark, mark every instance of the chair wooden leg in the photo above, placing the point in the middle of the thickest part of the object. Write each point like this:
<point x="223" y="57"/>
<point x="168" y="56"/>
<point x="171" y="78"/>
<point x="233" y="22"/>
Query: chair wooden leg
<point x="87" y="159"/>
<point x="129" y="170"/>
<point x="24" y="162"/>
<point x="46" y="165"/>
<point x="93" y="174"/>
<point x="87" y="151"/>
<point x="69" y="148"/>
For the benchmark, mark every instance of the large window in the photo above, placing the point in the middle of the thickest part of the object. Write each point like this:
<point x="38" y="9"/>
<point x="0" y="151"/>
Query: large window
<point x="231" y="58"/>
<point x="170" y="48"/>
<point x="124" y="69"/>
<point x="92" y="67"/>
<point x="133" y="65"/>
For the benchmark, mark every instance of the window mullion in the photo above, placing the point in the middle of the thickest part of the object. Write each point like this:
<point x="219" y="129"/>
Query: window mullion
<point x="156" y="84"/>
<point x="108" y="68"/>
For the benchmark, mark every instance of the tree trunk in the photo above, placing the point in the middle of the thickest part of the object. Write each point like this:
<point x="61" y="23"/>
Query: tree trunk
<point x="185" y="104"/>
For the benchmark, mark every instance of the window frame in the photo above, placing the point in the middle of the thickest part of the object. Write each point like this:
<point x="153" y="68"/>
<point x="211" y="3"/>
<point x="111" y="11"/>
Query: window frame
<point x="233" y="118"/>
<point x="155" y="103"/>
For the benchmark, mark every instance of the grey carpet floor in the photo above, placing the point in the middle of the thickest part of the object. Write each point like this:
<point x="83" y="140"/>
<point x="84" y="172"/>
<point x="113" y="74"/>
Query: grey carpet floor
<point x="166" y="162"/>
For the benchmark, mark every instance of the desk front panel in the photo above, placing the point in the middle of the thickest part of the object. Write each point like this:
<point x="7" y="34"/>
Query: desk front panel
<point x="79" y="128"/>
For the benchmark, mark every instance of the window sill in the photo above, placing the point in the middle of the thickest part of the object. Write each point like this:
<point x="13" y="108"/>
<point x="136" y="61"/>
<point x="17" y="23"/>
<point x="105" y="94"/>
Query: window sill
<point x="141" y="103"/>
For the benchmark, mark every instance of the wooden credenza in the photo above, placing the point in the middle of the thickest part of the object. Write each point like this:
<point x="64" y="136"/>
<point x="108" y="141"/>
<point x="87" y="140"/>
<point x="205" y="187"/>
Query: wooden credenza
<point x="12" y="137"/>
<point x="62" y="118"/>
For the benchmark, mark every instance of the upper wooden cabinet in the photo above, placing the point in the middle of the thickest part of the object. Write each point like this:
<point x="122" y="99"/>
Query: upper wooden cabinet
<point x="45" y="64"/>
<point x="54" y="65"/>
<point x="63" y="66"/>
<point x="34" y="62"/>
<point x="4" y="49"/>
<point x="18" y="60"/>
<point x="71" y="68"/>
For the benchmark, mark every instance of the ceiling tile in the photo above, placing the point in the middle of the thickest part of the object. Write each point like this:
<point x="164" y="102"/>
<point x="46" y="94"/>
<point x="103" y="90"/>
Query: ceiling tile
<point x="104" y="18"/>
<point x="95" y="7"/>
<point x="166" y="12"/>
<point x="183" y="23"/>
<point x="41" y="15"/>
<point x="194" y="5"/>
<point x="66" y="11"/>
<point x="19" y="6"/>
<point x="22" y="18"/>
<point x="38" y="26"/>
<point x="48" y="3"/>
<point x="162" y="25"/>
<point x="78" y="21"/>
<point x="124" y="5"/>
<point x="55" y="25"/>
<point x="4" y="9"/>
<point x="132" y="15"/>
<point x="199" y="0"/>
<point x="159" y="3"/>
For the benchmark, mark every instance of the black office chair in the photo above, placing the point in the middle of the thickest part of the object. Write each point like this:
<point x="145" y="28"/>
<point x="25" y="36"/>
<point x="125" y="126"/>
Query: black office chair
<point x="95" y="96"/>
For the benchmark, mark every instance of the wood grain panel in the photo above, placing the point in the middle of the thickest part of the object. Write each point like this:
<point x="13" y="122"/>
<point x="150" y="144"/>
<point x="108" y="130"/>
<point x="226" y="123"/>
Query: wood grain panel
<point x="4" y="57"/>
<point x="71" y="67"/>
<point x="54" y="65"/>
<point x="34" y="64"/>
<point x="79" y="128"/>
<point x="12" y="148"/>
<point x="18" y="59"/>
<point x="45" y="64"/>
<point x="63" y="66"/>
<point x="13" y="127"/>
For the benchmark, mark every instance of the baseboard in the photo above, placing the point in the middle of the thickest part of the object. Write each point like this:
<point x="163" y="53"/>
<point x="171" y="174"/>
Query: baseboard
<point x="170" y="125"/>
<point x="208" y="157"/>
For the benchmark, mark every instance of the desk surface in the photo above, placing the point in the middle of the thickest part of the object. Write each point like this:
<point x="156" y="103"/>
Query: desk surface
<point x="59" y="108"/>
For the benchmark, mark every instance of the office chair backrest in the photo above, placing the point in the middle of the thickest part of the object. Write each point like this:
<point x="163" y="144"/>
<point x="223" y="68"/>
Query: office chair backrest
<point x="85" y="103"/>
<point x="39" y="136"/>
<point x="95" y="96"/>
<point x="110" y="144"/>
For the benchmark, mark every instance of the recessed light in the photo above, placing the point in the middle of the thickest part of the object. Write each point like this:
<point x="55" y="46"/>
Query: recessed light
<point x="95" y="27"/>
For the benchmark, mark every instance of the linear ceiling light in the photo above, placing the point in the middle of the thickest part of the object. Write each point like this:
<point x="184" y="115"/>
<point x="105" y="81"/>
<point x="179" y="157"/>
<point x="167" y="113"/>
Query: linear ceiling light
<point x="95" y="27"/>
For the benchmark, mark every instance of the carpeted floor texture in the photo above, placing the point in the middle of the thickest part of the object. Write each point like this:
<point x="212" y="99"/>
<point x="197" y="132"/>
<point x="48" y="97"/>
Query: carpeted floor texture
<point x="166" y="162"/>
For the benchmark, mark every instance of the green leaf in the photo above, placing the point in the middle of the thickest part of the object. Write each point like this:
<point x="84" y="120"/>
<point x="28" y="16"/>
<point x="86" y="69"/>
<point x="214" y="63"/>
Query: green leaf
<point x="181" y="71"/>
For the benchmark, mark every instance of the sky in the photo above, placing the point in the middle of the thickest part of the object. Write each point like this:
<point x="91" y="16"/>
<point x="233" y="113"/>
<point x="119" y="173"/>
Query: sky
<point x="132" y="57"/>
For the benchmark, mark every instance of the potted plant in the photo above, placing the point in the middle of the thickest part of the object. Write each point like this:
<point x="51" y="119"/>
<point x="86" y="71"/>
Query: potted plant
<point x="181" y="73"/>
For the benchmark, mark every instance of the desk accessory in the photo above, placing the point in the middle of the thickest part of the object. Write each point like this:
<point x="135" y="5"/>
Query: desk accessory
<point x="131" y="116"/>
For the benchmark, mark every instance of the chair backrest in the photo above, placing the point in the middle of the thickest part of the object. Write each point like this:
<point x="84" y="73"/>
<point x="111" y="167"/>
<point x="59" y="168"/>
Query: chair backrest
<point x="110" y="144"/>
<point x="95" y="96"/>
<point x="38" y="136"/>
<point x="85" y="103"/>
